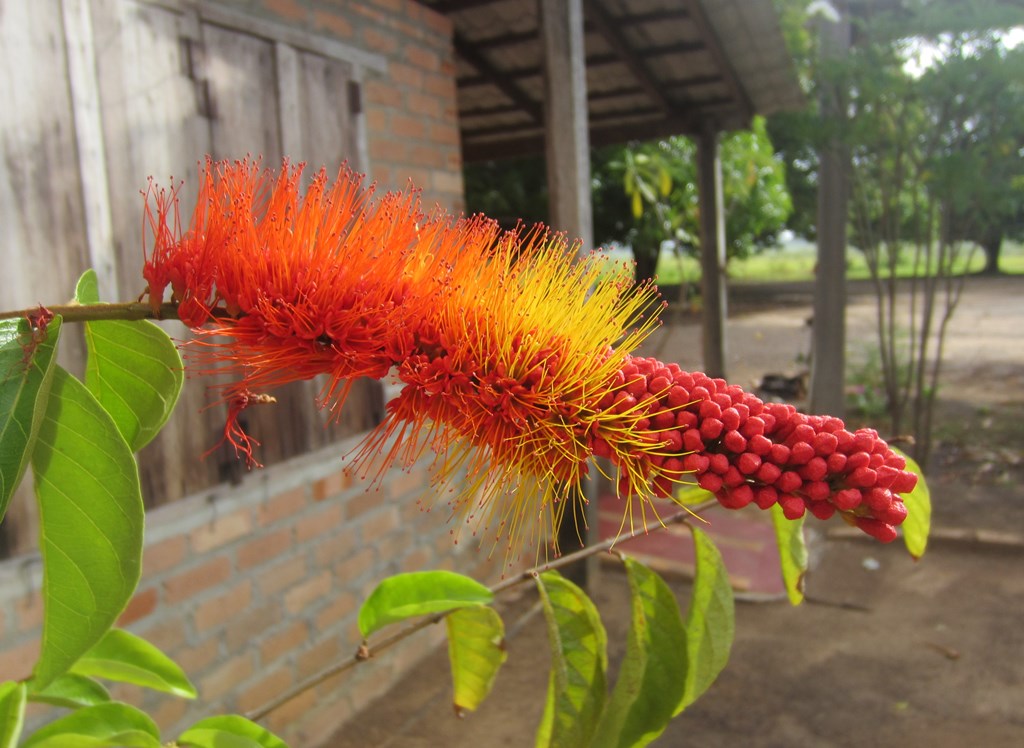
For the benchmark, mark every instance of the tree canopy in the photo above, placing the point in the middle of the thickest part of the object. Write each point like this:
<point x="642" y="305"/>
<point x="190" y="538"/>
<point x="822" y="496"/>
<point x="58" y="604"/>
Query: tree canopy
<point x="647" y="193"/>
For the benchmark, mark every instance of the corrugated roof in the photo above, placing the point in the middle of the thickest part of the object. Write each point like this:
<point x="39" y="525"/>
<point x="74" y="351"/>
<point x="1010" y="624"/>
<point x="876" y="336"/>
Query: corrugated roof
<point x="654" y="68"/>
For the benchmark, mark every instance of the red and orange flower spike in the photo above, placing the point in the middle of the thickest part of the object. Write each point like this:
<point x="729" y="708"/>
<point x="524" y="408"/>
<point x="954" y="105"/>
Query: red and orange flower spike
<point x="515" y="357"/>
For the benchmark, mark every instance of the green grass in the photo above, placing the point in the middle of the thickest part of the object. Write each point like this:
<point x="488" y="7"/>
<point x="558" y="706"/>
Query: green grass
<point x="796" y="263"/>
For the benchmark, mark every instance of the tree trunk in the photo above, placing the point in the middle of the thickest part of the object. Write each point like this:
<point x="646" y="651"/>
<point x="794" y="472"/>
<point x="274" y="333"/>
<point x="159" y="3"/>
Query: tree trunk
<point x="991" y="244"/>
<point x="646" y="259"/>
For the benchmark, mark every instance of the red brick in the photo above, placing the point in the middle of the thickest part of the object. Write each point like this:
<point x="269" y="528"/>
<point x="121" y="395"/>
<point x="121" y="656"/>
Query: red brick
<point x="391" y="6"/>
<point x="318" y="523"/>
<point x="251" y="625"/>
<point x="376" y="525"/>
<point x="437" y="22"/>
<point x="370" y="13"/>
<point x="342" y="604"/>
<point x="17" y="662"/>
<point x="403" y="126"/>
<point x="140" y="606"/>
<point x="168" y="711"/>
<point x="185" y="585"/>
<point x="355" y="566"/>
<point x="441" y="86"/>
<point x="362" y="503"/>
<point x="225" y="677"/>
<point x="290" y="10"/>
<point x="377" y="41"/>
<point x="331" y="485"/>
<point x="223" y="607"/>
<point x="197" y="659"/>
<point x="406" y="75"/>
<point x="158" y="557"/>
<point x="283" y="505"/>
<point x="386" y="149"/>
<point x="444" y="134"/>
<point x="377" y="120"/>
<point x="289" y="714"/>
<point x="412" y="31"/>
<point x="165" y="633"/>
<point x="395" y="544"/>
<point x="338" y="546"/>
<point x="221" y="531"/>
<point x="281" y="575"/>
<point x="426" y="155"/>
<point x="336" y="24"/>
<point x="321" y="655"/>
<point x="382" y="93"/>
<point x="421" y="57"/>
<point x="299" y="597"/>
<point x="277" y="645"/>
<point x="420" y="559"/>
<point x="264" y="548"/>
<point x="320" y="724"/>
<point x="263" y="691"/>
<point x="405" y="482"/>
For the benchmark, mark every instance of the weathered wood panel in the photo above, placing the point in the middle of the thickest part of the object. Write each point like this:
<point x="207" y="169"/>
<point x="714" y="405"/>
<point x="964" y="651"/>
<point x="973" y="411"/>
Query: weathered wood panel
<point x="147" y="63"/>
<point x="171" y="88"/>
<point x="43" y="245"/>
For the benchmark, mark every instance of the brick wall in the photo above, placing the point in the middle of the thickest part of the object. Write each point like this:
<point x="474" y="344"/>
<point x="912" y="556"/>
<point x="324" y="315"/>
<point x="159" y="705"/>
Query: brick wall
<point x="256" y="587"/>
<point x="411" y="115"/>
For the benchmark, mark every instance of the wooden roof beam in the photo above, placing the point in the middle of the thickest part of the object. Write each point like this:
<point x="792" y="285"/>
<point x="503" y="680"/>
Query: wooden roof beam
<point x="530" y="144"/>
<point x="714" y="47"/>
<point x="503" y="81"/>
<point x="593" y="60"/>
<point x="607" y="28"/>
<point x="454" y="6"/>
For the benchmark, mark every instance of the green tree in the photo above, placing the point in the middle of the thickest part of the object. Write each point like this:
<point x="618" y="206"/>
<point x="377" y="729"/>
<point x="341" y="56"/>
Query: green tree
<point x="937" y="170"/>
<point x="645" y="195"/>
<point x="975" y="98"/>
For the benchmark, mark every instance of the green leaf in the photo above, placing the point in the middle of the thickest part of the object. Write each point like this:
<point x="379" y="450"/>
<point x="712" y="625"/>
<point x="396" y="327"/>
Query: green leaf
<point x="579" y="661"/>
<point x="789" y="536"/>
<point x="476" y="650"/>
<point x="71" y="691"/>
<point x="710" y="621"/>
<point x="12" y="713"/>
<point x="126" y="658"/>
<point x="651" y="680"/>
<point x="110" y="724"/>
<point x="23" y="394"/>
<point x="133" y="370"/>
<point x="91" y="522"/>
<point x="919" y="513"/>
<point x="688" y="495"/>
<point x="419" y="593"/>
<point x="229" y="731"/>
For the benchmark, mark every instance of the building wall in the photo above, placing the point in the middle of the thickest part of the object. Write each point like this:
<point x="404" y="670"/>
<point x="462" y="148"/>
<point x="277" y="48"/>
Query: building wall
<point x="411" y="113"/>
<point x="254" y="587"/>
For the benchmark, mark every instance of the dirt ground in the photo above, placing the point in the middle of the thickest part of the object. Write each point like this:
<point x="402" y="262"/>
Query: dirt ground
<point x="887" y="651"/>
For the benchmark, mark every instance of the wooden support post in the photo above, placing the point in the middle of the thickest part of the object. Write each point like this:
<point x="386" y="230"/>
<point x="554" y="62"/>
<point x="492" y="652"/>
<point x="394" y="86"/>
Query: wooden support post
<point x="568" y="174"/>
<point x="565" y="119"/>
<point x="79" y="44"/>
<point x="712" y="250"/>
<point x="828" y="346"/>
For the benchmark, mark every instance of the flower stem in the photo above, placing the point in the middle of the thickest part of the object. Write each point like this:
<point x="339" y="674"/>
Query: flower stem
<point x="128" y="310"/>
<point x="365" y="651"/>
